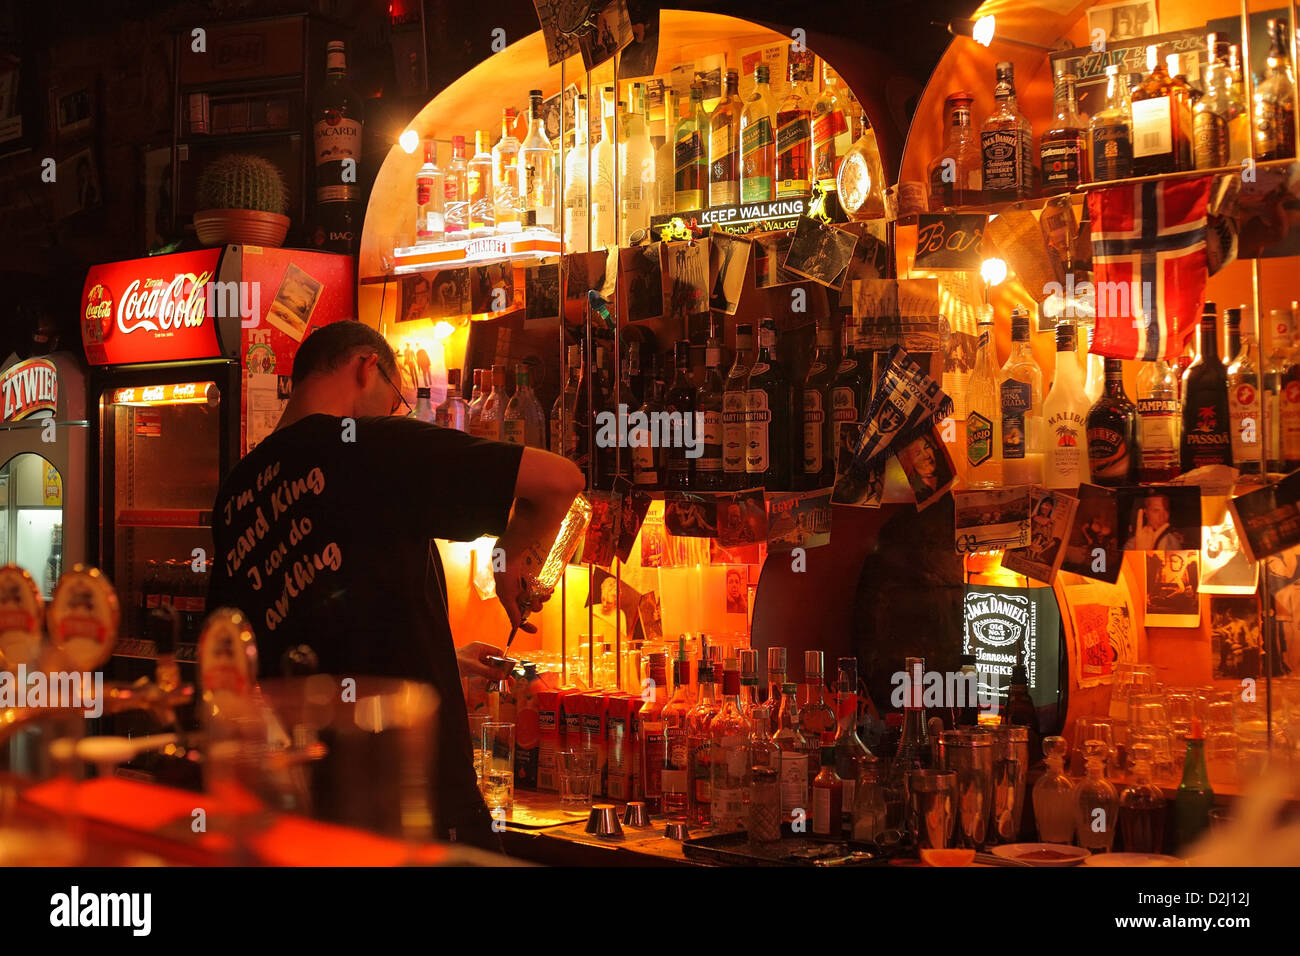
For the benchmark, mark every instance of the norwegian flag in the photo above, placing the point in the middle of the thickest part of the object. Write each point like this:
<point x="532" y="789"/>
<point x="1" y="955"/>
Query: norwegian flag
<point x="1148" y="266"/>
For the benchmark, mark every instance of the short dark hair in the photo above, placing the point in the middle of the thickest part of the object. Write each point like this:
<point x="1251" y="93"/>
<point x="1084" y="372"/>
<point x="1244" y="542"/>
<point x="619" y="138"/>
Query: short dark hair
<point x="331" y="345"/>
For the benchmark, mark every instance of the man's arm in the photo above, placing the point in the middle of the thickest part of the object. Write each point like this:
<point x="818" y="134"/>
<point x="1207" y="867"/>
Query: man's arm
<point x="544" y="490"/>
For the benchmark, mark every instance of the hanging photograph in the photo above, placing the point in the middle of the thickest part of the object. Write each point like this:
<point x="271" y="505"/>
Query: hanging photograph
<point x="690" y="516"/>
<point x="1163" y="519"/>
<point x="798" y="520"/>
<point x="1124" y="21"/>
<point x="820" y="252"/>
<point x="1225" y="569"/>
<point x="558" y="19"/>
<point x="1093" y="549"/>
<point x="687" y="265"/>
<point x="1104" y="630"/>
<point x="639" y="56"/>
<point x="542" y="292"/>
<point x="729" y="261"/>
<point x="492" y="288"/>
<point x="928" y="467"/>
<point x="770" y="250"/>
<point x="1051" y="515"/>
<point x="610" y="32"/>
<point x="1283" y="571"/>
<point x="635" y="505"/>
<point x="641" y="281"/>
<point x="742" y="518"/>
<point x="1173" y="588"/>
<point x="602" y="531"/>
<point x="1236" y="641"/>
<point x="991" y="520"/>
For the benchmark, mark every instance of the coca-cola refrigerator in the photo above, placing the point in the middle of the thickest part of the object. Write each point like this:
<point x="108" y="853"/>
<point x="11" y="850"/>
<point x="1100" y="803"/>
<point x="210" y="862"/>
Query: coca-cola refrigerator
<point x="43" y="469"/>
<point x="190" y="359"/>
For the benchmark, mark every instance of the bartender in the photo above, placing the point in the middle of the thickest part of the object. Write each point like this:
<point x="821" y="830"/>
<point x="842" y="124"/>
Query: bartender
<point x="324" y="533"/>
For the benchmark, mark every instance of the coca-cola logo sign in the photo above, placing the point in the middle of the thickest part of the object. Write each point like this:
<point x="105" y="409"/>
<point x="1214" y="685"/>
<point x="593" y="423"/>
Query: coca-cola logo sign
<point x="151" y="305"/>
<point x="98" y="313"/>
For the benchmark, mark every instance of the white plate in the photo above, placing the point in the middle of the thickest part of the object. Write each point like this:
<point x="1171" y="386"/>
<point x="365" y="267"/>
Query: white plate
<point x="1133" y="859"/>
<point x="1042" y="854"/>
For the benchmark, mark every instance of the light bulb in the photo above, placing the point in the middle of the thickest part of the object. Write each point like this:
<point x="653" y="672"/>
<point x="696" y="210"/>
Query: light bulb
<point x="409" y="140"/>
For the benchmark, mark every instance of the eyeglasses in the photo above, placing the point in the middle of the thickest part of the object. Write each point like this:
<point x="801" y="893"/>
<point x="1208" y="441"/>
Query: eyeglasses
<point x="401" y="399"/>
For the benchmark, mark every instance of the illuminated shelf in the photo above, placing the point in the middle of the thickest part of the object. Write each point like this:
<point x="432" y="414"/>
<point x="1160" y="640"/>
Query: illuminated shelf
<point x="164" y="518"/>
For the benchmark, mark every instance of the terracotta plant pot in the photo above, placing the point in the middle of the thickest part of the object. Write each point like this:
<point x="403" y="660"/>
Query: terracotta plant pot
<point x="251" y="227"/>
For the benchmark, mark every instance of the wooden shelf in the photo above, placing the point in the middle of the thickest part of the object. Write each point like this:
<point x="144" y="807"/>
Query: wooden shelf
<point x="164" y="518"/>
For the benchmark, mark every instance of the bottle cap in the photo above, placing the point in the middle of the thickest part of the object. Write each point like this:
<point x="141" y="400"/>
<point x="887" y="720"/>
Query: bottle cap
<point x="1019" y="325"/>
<point x="1065" y="337"/>
<point x="789" y="688"/>
<point x="776" y="658"/>
<point x="1196" y="732"/>
<point x="812" y="663"/>
<point x="762" y="73"/>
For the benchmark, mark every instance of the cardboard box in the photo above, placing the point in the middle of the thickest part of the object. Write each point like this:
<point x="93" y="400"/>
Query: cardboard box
<point x="548" y="727"/>
<point x="623" y="758"/>
<point x="594" y="706"/>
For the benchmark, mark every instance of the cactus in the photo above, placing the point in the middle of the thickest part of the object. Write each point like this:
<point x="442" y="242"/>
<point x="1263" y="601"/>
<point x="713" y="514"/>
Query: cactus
<point x="239" y="181"/>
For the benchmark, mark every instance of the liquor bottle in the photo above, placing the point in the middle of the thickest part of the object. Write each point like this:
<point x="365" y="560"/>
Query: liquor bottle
<point x="797" y="755"/>
<point x="763" y="782"/>
<point x="609" y="464"/>
<point x="604" y="224"/>
<point x="870" y="811"/>
<point x="482" y="202"/>
<point x="851" y="754"/>
<point x="729" y="740"/>
<point x="794" y="133"/>
<point x="1142" y="807"/>
<point x="1211" y="145"/>
<point x="851" y="390"/>
<point x="1183" y="95"/>
<point x="733" y="410"/>
<point x="336" y="139"/>
<point x="681" y="402"/>
<point x="1006" y="142"/>
<point x="1020" y="711"/>
<point x="1095" y="382"/>
<point x="968" y="713"/>
<point x="577" y="212"/>
<point x="816" y="717"/>
<point x="690" y="156"/>
<point x="675" y="783"/>
<point x="636" y="169"/>
<point x="913" y="750"/>
<point x="1206" y="422"/>
<point x="1112" y="432"/>
<point x="776" y="658"/>
<point x="476" y="401"/>
<point x="956" y="173"/>
<point x="831" y="139"/>
<point x="827" y="795"/>
<point x="631" y="383"/>
<point x="505" y="176"/>
<point x="747" y="660"/>
<point x="1096" y="805"/>
<point x="860" y="183"/>
<point x="1275" y="99"/>
<point x="524" y="422"/>
<point x="456" y="192"/>
<point x="647" y="456"/>
<point x="1111" y="131"/>
<point x="666" y="159"/>
<point x="1195" y="797"/>
<point x="699" y="743"/>
<point x="984" y="415"/>
<point x="710" y="400"/>
<point x="454" y="410"/>
<point x="1020" y="395"/>
<point x="1065" y="417"/>
<point x="1053" y="796"/>
<point x="818" y="460"/>
<point x="724" y="146"/>
<point x="1239" y="117"/>
<point x="1160" y="422"/>
<point x="494" y="406"/>
<point x="1231" y="335"/>
<point x="654" y="742"/>
<point x="1281" y="404"/>
<point x="1158" y="144"/>
<point x="564" y="430"/>
<point x="1064" y="147"/>
<point x="768" y="416"/>
<point x="536" y="167"/>
<point x="429" y="192"/>
<point x="758" y="142"/>
<point x="1244" y="399"/>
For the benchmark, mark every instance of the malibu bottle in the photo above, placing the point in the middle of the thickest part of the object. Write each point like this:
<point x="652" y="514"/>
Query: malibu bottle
<point x="818" y="465"/>
<point x="1112" y="432"/>
<point x="767" y="416"/>
<point x="1206" y="423"/>
<point x="1065" y="416"/>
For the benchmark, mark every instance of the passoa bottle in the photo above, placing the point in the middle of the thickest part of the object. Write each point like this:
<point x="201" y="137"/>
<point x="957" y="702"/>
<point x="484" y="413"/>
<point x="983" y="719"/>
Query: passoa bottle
<point x="1112" y="432"/>
<point x="1206" y="421"/>
<point x="1065" y="416"/>
<point x="1160" y="422"/>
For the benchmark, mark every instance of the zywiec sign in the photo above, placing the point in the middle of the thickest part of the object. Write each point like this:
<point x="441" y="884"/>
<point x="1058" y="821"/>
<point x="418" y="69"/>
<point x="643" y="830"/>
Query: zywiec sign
<point x="150" y="310"/>
<point x="29" y="389"/>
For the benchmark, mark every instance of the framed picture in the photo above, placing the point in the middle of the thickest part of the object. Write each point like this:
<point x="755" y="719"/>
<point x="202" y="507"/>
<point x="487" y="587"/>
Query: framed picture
<point x="72" y="110"/>
<point x="1124" y="21"/>
<point x="1173" y="588"/>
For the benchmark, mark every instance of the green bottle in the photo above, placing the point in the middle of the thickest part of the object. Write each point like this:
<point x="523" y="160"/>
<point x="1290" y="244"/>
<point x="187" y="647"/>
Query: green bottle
<point x="1195" y="798"/>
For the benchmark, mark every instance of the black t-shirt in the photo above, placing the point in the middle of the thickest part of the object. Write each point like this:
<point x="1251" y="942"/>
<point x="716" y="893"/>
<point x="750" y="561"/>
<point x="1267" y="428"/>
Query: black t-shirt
<point x="323" y="537"/>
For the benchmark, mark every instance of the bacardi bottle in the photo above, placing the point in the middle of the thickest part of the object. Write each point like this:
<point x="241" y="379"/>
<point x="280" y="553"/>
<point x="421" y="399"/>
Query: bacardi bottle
<point x="1244" y="401"/>
<point x="956" y="173"/>
<point x="818" y="462"/>
<point x="768" y="416"/>
<point x="1112" y="432"/>
<point x="710" y="399"/>
<point x="794" y="133"/>
<point x="1006" y="140"/>
<point x="733" y="409"/>
<point x="1160" y="421"/>
<point x="758" y="142"/>
<point x="1021" y="396"/>
<point x="336" y="139"/>
<point x="1111" y="131"/>
<point x="429" y="197"/>
<point x="1206" y="423"/>
<point x="1065" y="415"/>
<point x="1064" y="147"/>
<point x="505" y="176"/>
<point x="1275" y="99"/>
<point x="984" y="414"/>
<point x="681" y="402"/>
<point x="724" y="146"/>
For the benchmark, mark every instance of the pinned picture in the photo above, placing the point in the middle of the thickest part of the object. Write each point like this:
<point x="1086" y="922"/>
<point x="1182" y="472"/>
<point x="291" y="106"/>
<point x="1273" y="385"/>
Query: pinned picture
<point x="557" y="18"/>
<point x="650" y="619"/>
<point x="639" y="57"/>
<point x="852" y="487"/>
<point x="690" y="516"/>
<point x="654" y="539"/>
<point x="729" y="261"/>
<point x="1093" y="548"/>
<point x="1225" y="568"/>
<point x="741" y="517"/>
<point x="610" y="32"/>
<point x="991" y="520"/>
<point x="1051" y="515"/>
<point x="1104" y="631"/>
<point x="294" y="303"/>
<point x="613" y="602"/>
<point x="642" y="282"/>
<point x="929" y="468"/>
<point x="798" y="520"/>
<point x="492" y="288"/>
<point x="449" y="293"/>
<point x="1161" y="519"/>
<point x="820" y="252"/>
<point x="634" y="506"/>
<point x="770" y="250"/>
<point x="602" y="531"/>
<point x="1236" y="641"/>
<point x="1283" y="572"/>
<point x="736" y="589"/>
<point x="687" y="265"/>
<point x="542" y="292"/>
<point x="1173" y="588"/>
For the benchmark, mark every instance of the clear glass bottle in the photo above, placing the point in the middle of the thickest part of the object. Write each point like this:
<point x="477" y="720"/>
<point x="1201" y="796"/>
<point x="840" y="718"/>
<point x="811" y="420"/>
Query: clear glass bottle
<point x="816" y="717"/>
<point x="747" y="657"/>
<point x="869" y="811"/>
<point x="1160" y="421"/>
<point x="494" y="406"/>
<point x="758" y="142"/>
<point x="454" y="410"/>
<point x="564" y="432"/>
<point x="479" y="186"/>
<point x="665" y="158"/>
<point x="860" y="182"/>
<point x="1053" y="796"/>
<point x="505" y="176"/>
<point x="733" y="409"/>
<point x="429" y="196"/>
<point x="604" y="224"/>
<point x="476" y="401"/>
<point x="524" y="422"/>
<point x="654" y="742"/>
<point x="1274" y="107"/>
<point x="636" y="169"/>
<point x="1111" y="131"/>
<point x="913" y="751"/>
<point x="1006" y="141"/>
<point x="794" y="132"/>
<point x="1020" y="395"/>
<point x="956" y="173"/>
<point x="851" y="754"/>
<point x="798" y="754"/>
<point x="1239" y="117"/>
<point x="827" y="796"/>
<point x="577" y="210"/>
<point x="456" y="192"/>
<point x="763" y="781"/>
<point x="1211" y="144"/>
<point x="699" y="743"/>
<point x="536" y="167"/>
<point x="730" y="755"/>
<point x="1065" y="417"/>
<point x="675" y="780"/>
<point x="1096" y="804"/>
<point x="1064" y="147"/>
<point x="1142" y="807"/>
<point x="984" y="415"/>
<point x="1244" y="399"/>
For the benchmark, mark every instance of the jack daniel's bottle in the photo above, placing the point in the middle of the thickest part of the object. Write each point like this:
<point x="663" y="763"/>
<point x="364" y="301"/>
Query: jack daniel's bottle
<point x="1006" y="140"/>
<point x="1206" y="423"/>
<point x="336" y="140"/>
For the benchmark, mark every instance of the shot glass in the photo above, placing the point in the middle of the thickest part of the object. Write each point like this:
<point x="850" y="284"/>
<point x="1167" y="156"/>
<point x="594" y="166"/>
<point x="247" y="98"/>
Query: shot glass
<point x="577" y="769"/>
